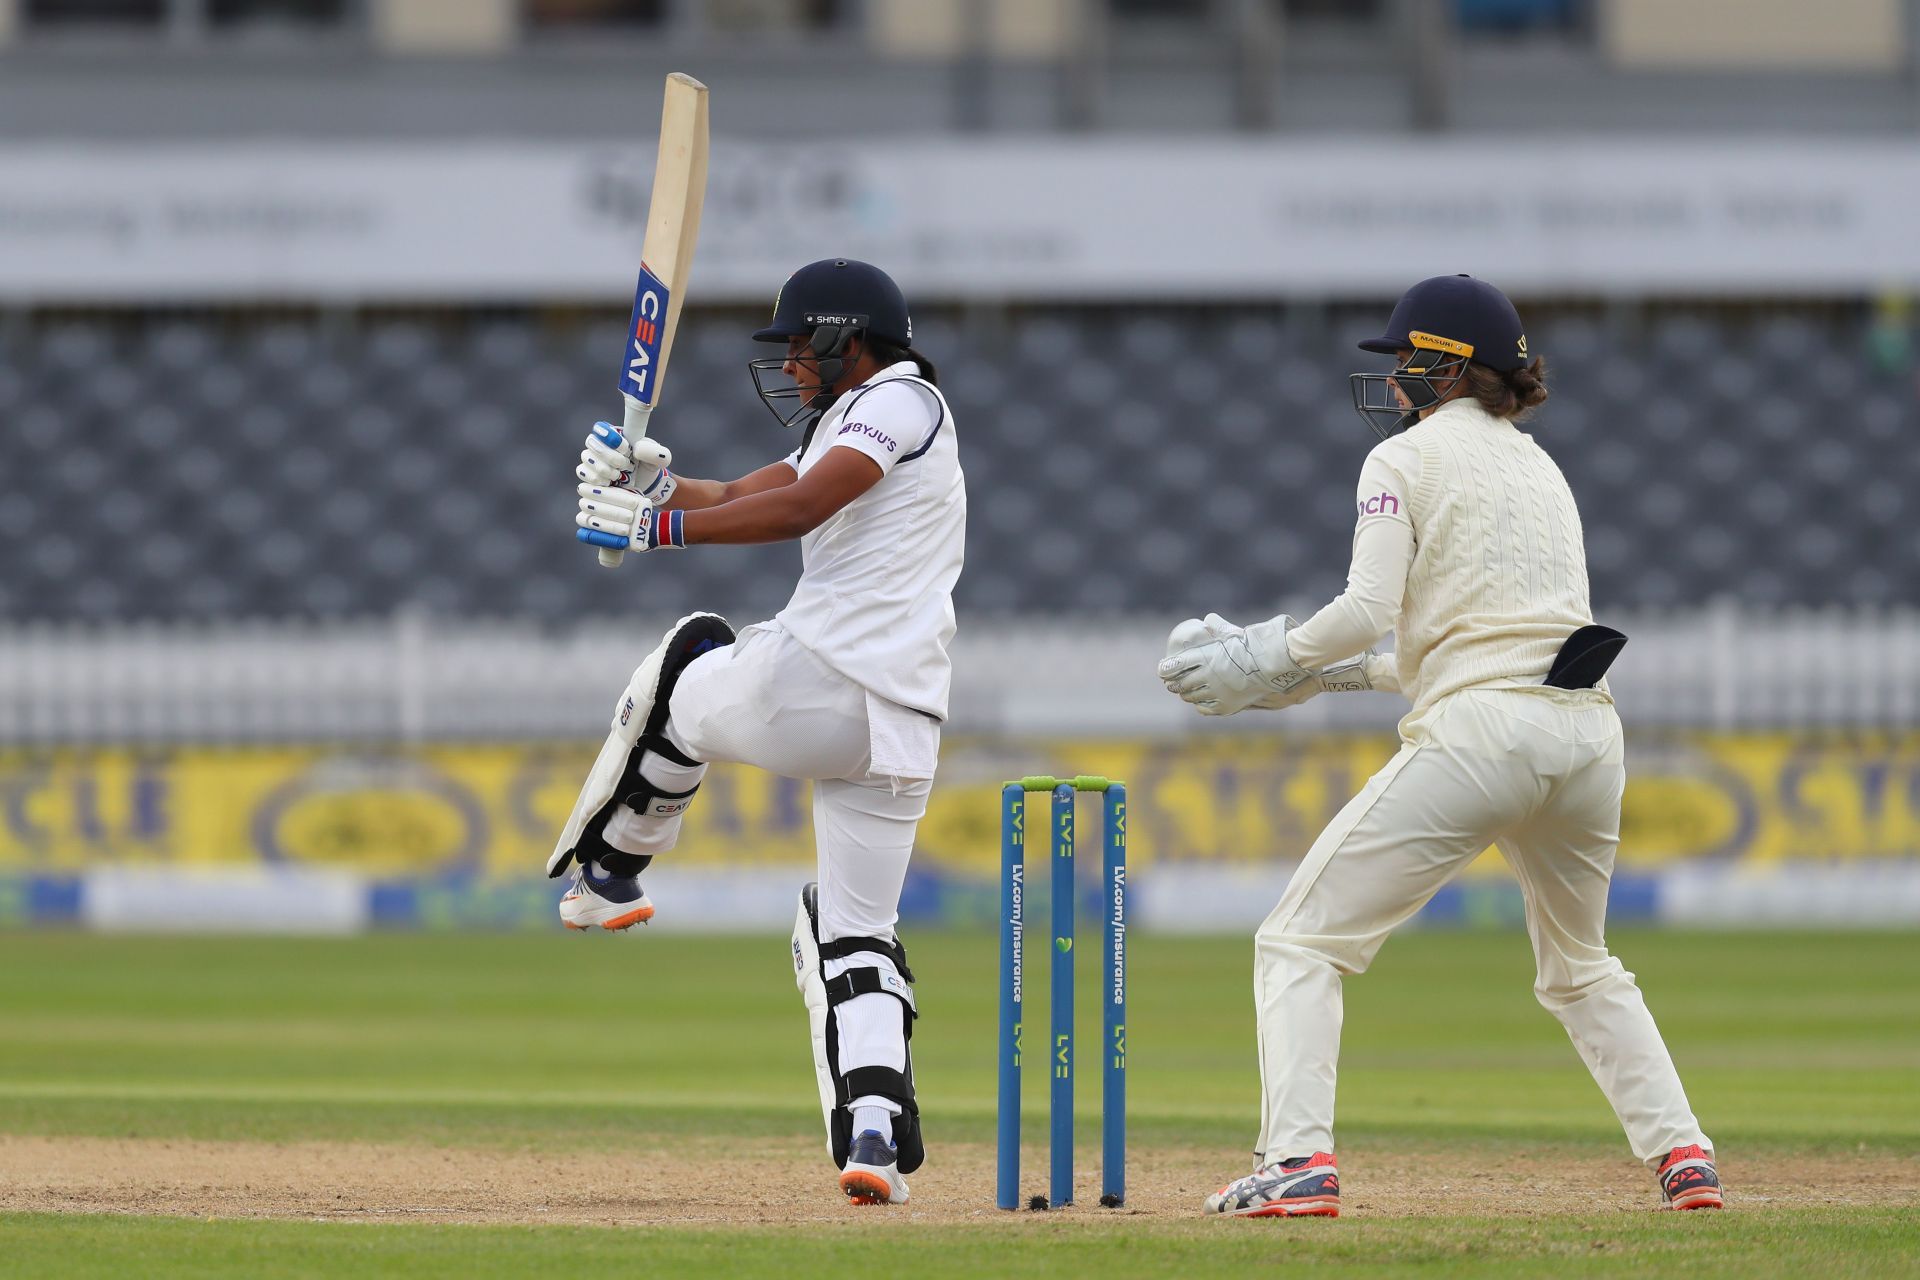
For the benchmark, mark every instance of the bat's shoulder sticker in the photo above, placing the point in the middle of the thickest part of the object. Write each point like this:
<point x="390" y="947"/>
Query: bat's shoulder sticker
<point x="646" y="332"/>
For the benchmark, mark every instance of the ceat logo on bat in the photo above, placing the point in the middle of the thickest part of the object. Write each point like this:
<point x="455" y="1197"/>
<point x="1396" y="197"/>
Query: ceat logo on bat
<point x="644" y="333"/>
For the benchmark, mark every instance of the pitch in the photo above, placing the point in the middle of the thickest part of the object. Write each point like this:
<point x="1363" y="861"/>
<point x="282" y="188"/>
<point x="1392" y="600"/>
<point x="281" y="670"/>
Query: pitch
<point x="417" y="1105"/>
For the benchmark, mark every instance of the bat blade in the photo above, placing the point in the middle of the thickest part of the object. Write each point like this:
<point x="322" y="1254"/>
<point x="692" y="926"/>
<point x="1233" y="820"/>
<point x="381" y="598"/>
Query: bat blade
<point x="666" y="257"/>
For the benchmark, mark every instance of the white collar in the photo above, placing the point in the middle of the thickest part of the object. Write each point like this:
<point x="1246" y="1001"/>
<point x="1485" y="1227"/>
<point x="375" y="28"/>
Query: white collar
<point x="838" y="412"/>
<point x="898" y="369"/>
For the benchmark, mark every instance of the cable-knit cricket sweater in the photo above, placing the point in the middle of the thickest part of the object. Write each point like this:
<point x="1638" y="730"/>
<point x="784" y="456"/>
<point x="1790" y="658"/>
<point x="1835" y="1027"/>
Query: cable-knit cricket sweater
<point x="1468" y="547"/>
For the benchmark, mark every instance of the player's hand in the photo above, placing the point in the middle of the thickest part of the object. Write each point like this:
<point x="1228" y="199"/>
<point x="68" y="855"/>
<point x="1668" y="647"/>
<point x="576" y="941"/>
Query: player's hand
<point x="1222" y="672"/>
<point x="625" y="521"/>
<point x="609" y="458"/>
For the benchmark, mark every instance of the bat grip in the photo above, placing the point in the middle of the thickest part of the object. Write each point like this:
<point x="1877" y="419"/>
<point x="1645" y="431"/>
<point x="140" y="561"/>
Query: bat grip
<point x="633" y="426"/>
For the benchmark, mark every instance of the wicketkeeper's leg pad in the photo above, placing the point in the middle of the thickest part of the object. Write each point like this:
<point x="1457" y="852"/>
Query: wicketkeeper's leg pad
<point x="823" y="996"/>
<point x="640" y="784"/>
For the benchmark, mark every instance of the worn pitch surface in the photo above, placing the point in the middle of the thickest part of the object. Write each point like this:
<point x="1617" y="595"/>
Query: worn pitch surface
<point x="660" y="1083"/>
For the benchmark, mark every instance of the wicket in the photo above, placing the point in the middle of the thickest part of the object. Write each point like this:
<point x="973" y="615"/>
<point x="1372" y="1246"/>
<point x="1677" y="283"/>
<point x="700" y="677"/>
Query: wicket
<point x="1113" y="997"/>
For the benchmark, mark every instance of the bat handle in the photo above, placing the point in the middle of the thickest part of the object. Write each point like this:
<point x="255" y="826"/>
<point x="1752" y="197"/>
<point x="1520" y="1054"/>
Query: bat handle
<point x="633" y="425"/>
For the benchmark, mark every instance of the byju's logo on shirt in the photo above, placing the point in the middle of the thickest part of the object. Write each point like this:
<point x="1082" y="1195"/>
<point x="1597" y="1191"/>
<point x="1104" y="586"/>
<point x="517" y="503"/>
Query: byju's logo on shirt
<point x="1381" y="504"/>
<point x="872" y="433"/>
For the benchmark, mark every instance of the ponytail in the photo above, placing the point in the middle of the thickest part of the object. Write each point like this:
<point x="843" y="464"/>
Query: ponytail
<point x="888" y="353"/>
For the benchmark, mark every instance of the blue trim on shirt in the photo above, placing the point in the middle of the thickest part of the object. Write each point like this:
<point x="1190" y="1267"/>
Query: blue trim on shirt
<point x="862" y="390"/>
<point x="937" y="423"/>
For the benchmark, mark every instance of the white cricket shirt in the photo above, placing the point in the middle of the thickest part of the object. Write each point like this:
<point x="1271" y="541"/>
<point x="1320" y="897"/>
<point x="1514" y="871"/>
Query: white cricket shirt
<point x="1468" y="546"/>
<point x="875" y="597"/>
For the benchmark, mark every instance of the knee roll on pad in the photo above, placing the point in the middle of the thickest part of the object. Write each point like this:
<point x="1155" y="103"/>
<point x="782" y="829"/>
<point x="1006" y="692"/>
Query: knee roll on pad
<point x="839" y="1088"/>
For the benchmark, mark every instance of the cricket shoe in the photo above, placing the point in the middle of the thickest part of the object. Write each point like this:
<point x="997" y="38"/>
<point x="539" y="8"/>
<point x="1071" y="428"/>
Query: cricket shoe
<point x="1688" y="1180"/>
<point x="610" y="902"/>
<point x="872" y="1175"/>
<point x="1303" y="1187"/>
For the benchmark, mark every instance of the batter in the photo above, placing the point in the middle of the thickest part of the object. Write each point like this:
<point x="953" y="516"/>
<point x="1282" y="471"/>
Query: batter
<point x="1468" y="548"/>
<point x="847" y="686"/>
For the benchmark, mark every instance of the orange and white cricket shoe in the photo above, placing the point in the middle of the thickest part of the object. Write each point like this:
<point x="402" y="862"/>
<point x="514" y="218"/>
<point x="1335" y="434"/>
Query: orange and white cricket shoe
<point x="872" y="1175"/>
<point x="1688" y="1180"/>
<point x="606" y="902"/>
<point x="1302" y="1187"/>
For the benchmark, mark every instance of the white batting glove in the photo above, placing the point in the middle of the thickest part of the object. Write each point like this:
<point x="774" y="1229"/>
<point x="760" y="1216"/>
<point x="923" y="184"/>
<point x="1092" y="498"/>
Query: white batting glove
<point x="626" y="521"/>
<point x="609" y="458"/>
<point x="1231" y="668"/>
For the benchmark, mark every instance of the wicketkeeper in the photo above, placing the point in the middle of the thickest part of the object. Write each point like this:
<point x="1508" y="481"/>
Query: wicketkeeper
<point x="1468" y="548"/>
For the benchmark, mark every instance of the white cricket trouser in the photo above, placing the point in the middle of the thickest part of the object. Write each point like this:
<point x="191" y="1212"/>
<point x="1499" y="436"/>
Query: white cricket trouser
<point x="1541" y="775"/>
<point x="767" y="701"/>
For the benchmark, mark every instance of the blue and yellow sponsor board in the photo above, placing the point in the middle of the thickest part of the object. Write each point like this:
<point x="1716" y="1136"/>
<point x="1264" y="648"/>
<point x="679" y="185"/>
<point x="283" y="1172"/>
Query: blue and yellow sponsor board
<point x="493" y="810"/>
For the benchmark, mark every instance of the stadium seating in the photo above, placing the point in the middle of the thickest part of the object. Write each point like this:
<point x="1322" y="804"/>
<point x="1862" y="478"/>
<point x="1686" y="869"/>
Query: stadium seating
<point x="295" y="467"/>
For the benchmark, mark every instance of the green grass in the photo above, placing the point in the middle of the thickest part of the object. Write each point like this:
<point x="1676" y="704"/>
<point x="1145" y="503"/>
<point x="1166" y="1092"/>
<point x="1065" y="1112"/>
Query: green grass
<point x="1789" y="1043"/>
<point x="1840" y="1245"/>
<point x="1802" y="1039"/>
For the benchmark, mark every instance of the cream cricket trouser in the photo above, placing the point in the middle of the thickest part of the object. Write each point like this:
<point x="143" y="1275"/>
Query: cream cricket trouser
<point x="767" y="701"/>
<point x="1541" y="775"/>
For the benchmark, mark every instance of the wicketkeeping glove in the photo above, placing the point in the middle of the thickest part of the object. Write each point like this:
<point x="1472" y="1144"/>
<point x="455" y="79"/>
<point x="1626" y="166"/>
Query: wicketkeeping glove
<point x="1342" y="677"/>
<point x="1221" y="668"/>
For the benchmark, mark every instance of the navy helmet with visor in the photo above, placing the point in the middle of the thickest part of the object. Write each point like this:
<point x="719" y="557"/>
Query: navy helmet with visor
<point x="1442" y="323"/>
<point x="828" y="303"/>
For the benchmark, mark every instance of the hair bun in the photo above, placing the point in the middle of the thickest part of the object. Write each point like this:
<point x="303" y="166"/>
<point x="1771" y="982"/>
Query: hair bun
<point x="1510" y="395"/>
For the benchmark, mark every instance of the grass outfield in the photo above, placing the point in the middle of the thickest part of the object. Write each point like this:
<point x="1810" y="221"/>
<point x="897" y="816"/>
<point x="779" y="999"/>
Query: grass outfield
<point x="1796" y="1048"/>
<point x="1843" y="1243"/>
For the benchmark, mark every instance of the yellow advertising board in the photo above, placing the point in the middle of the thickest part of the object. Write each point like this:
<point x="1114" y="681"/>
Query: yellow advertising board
<point x="495" y="809"/>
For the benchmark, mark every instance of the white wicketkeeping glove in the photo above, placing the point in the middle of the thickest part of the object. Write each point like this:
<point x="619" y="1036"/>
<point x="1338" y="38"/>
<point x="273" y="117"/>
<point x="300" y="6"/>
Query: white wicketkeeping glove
<point x="609" y="458"/>
<point x="1221" y="668"/>
<point x="617" y="513"/>
<point x="1342" y="677"/>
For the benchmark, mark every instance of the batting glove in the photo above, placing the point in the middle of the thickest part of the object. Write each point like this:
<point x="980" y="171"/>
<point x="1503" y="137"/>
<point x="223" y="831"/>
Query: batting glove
<point x="626" y="521"/>
<point x="609" y="458"/>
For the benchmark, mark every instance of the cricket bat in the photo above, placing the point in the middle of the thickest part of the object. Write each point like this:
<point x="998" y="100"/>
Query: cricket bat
<point x="666" y="256"/>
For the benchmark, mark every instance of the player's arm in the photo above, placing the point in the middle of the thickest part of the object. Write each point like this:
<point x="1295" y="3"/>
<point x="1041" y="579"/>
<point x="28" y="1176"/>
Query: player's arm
<point x="894" y="424"/>
<point x="778" y="514"/>
<point x="1222" y="668"/>
<point x="786" y="509"/>
<point x="1383" y="545"/>
<point x="1376" y="578"/>
<point x="691" y="494"/>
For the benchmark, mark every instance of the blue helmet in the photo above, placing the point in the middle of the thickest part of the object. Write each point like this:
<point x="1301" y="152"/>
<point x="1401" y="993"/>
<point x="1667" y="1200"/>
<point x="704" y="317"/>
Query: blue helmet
<point x="829" y="302"/>
<point x="839" y="292"/>
<point x="1443" y="322"/>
